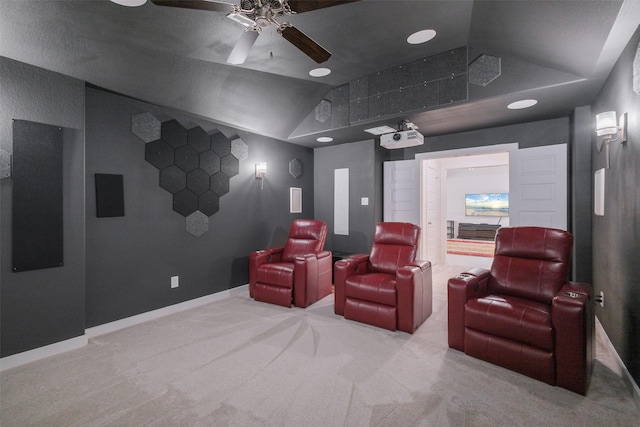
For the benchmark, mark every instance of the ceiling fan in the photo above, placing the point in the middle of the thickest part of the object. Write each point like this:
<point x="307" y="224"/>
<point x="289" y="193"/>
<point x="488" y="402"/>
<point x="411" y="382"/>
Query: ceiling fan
<point x="259" y="14"/>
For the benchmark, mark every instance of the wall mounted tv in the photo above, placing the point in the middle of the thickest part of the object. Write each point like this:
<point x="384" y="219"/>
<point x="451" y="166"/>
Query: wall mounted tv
<point x="486" y="204"/>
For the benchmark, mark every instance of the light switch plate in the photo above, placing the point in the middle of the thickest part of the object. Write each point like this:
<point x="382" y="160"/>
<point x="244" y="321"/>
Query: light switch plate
<point x="364" y="201"/>
<point x="175" y="280"/>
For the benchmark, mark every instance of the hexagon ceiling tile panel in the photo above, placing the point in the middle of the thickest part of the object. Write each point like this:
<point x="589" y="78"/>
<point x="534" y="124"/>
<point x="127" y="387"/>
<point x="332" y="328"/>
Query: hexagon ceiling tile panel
<point x="195" y="167"/>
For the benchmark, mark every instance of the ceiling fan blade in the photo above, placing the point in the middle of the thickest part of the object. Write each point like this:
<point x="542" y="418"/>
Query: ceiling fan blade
<point x="300" y="6"/>
<point x="210" y="5"/>
<point x="243" y="46"/>
<point x="300" y="40"/>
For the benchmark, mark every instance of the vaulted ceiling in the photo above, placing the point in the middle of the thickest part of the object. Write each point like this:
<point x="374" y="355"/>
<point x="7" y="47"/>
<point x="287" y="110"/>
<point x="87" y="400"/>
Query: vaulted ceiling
<point x="557" y="52"/>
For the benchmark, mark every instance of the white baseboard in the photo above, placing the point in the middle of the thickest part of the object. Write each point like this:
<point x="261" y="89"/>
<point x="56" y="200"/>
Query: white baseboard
<point x="74" y="343"/>
<point x="18" y="359"/>
<point x="161" y="312"/>
<point x="626" y="376"/>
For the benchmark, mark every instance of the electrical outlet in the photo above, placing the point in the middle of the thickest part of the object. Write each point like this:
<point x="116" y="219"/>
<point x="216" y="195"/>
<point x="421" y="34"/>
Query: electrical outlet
<point x="601" y="299"/>
<point x="175" y="281"/>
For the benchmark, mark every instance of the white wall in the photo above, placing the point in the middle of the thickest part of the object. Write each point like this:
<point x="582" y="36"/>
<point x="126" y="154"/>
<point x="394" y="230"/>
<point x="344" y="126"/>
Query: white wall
<point x="461" y="181"/>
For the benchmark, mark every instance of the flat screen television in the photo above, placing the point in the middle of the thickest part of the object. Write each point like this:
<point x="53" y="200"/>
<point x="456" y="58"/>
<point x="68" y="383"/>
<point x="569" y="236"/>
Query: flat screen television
<point x="486" y="204"/>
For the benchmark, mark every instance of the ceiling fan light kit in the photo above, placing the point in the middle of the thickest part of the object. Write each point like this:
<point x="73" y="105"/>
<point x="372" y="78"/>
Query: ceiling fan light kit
<point x="259" y="14"/>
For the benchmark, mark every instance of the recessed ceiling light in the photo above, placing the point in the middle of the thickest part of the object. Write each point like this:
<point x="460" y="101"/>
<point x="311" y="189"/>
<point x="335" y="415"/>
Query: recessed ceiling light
<point x="130" y="3"/>
<point x="319" y="72"/>
<point x="519" y="105"/>
<point x="421" y="36"/>
<point x="324" y="139"/>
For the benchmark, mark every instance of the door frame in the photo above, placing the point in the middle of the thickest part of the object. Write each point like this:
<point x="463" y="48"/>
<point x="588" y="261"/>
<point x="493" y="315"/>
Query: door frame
<point x="461" y="152"/>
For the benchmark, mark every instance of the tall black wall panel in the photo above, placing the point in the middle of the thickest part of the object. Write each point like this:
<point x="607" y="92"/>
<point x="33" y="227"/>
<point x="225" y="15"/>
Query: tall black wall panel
<point x="37" y="225"/>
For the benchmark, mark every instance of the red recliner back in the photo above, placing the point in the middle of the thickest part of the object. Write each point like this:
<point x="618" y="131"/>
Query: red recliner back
<point x="530" y="262"/>
<point x="306" y="236"/>
<point x="395" y="245"/>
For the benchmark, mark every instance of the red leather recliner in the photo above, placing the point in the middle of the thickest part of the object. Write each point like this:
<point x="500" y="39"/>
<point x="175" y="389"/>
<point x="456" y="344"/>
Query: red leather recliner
<point x="388" y="288"/>
<point x="299" y="272"/>
<point x="523" y="314"/>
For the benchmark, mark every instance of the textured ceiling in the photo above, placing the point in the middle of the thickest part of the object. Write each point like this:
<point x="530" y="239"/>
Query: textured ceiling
<point x="559" y="52"/>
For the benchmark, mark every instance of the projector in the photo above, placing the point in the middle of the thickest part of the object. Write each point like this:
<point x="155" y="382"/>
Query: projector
<point x="401" y="139"/>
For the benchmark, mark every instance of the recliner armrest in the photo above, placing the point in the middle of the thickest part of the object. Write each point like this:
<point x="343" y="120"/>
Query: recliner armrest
<point x="355" y="264"/>
<point x="574" y="325"/>
<point x="312" y="274"/>
<point x="257" y="258"/>
<point x="423" y="265"/>
<point x="467" y="285"/>
<point x="414" y="290"/>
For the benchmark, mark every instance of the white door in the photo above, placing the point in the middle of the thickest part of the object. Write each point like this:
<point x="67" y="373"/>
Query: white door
<point x="401" y="191"/>
<point x="538" y="187"/>
<point x="431" y="226"/>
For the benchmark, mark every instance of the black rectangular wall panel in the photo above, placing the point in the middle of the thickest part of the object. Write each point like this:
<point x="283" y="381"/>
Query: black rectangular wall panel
<point x="109" y="195"/>
<point x="37" y="227"/>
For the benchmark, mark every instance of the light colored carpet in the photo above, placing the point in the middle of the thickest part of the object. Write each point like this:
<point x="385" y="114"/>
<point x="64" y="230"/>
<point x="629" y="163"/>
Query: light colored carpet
<point x="238" y="362"/>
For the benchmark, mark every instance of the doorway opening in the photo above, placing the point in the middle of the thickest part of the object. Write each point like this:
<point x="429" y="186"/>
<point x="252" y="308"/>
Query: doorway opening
<point x="446" y="178"/>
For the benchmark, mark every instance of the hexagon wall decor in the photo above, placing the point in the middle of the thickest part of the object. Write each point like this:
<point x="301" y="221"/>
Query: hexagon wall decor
<point x="239" y="149"/>
<point x="194" y="166"/>
<point x="197" y="223"/>
<point x="5" y="164"/>
<point x="295" y="168"/>
<point x="145" y="126"/>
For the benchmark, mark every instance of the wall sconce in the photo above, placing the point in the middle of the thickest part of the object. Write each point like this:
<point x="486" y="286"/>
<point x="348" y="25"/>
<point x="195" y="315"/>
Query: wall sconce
<point x="610" y="130"/>
<point x="261" y="171"/>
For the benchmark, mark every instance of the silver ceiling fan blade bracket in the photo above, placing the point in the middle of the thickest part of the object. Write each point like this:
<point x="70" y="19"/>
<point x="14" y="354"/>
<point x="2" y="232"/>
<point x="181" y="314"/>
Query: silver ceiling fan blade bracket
<point x="243" y="46"/>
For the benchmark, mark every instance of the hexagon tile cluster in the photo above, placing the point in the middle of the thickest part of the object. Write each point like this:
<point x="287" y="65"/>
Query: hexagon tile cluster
<point x="194" y="166"/>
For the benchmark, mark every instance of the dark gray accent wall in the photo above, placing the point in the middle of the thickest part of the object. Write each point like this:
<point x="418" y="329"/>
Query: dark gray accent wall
<point x="364" y="161"/>
<point x="42" y="307"/>
<point x="130" y="259"/>
<point x="616" y="235"/>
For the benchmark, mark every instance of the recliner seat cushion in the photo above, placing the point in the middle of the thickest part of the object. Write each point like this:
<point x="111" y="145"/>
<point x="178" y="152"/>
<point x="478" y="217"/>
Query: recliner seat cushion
<point x="377" y="287"/>
<point x="279" y="274"/>
<point x="516" y="319"/>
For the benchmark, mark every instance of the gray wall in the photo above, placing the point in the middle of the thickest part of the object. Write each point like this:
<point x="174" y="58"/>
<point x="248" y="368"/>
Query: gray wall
<point x="616" y="235"/>
<point x="580" y="194"/>
<point x="364" y="160"/>
<point x="131" y="259"/>
<point x="41" y="307"/>
<point x="119" y="267"/>
<point x="532" y="134"/>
